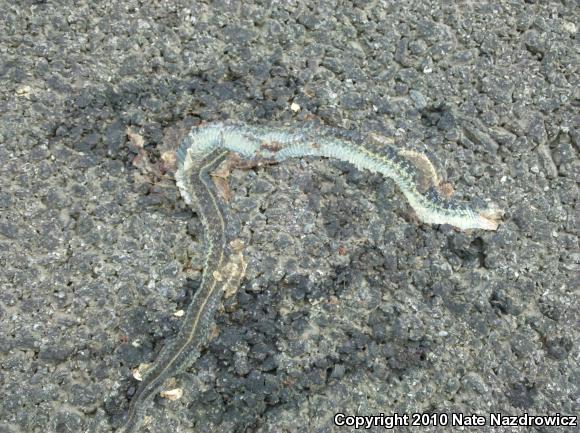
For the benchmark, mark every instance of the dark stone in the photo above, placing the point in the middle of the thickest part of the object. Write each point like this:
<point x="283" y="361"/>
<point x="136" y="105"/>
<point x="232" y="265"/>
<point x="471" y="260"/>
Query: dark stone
<point x="559" y="347"/>
<point x="56" y="353"/>
<point x="522" y="395"/>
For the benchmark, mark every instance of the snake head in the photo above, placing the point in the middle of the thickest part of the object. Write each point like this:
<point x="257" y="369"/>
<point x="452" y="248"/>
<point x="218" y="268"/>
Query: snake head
<point x="490" y="217"/>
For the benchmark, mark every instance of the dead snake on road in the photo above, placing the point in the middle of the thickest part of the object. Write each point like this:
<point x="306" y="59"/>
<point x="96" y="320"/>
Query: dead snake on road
<point x="205" y="147"/>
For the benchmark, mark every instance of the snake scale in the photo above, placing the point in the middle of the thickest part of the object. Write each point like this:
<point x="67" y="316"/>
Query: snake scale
<point x="206" y="146"/>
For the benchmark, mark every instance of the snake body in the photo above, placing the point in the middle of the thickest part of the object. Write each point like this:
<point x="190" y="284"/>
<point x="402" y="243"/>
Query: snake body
<point x="205" y="147"/>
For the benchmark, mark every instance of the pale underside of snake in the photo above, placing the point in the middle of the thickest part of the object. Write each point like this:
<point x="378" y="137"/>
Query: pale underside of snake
<point x="205" y="147"/>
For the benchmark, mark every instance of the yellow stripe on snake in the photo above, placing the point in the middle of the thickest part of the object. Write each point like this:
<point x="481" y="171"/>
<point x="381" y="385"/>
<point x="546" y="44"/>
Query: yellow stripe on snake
<point x="205" y="147"/>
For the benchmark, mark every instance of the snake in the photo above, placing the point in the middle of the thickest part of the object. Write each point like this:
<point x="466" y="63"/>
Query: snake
<point x="206" y="146"/>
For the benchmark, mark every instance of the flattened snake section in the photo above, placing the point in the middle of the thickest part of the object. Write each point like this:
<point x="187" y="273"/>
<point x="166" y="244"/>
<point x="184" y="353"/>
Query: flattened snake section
<point x="205" y="147"/>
